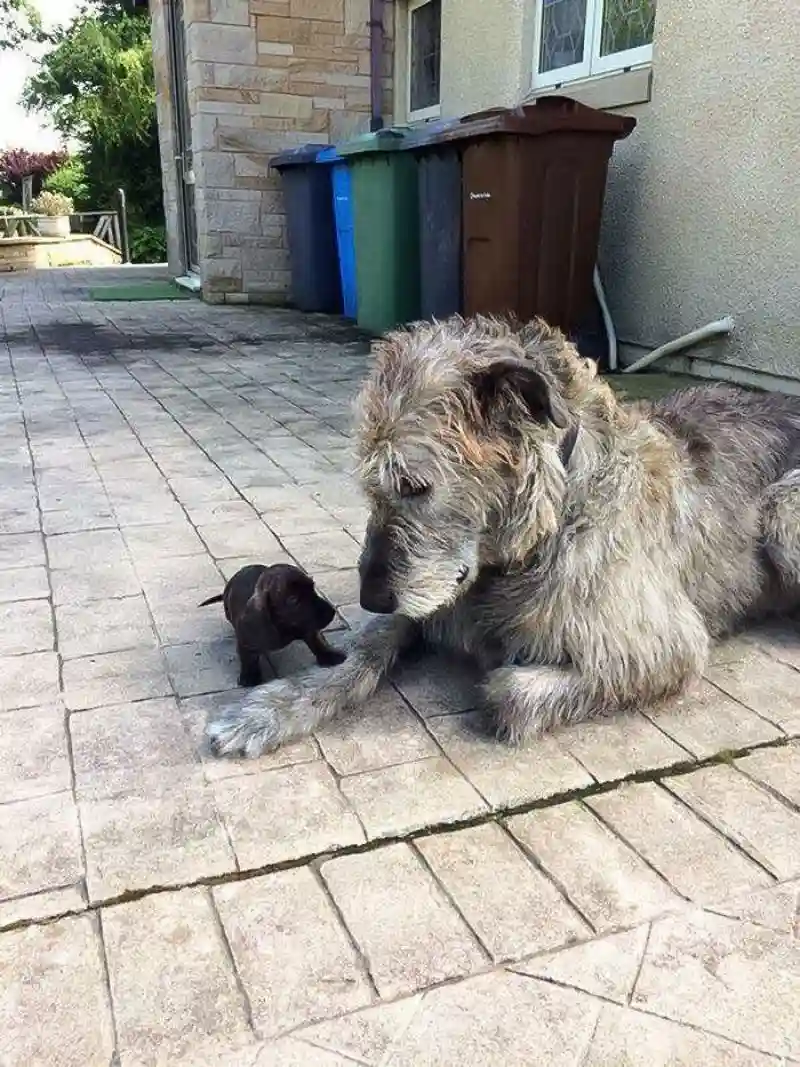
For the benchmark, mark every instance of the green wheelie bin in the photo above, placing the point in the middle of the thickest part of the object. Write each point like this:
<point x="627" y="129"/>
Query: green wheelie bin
<point x="386" y="226"/>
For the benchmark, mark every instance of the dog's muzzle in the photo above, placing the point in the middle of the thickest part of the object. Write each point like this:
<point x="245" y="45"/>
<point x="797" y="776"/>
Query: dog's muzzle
<point x="376" y="593"/>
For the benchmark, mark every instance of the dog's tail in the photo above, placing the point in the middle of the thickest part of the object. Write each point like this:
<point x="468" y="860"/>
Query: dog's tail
<point x="213" y="600"/>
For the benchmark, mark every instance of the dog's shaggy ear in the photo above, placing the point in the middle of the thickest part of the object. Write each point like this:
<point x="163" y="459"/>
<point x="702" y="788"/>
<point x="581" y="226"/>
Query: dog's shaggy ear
<point x="541" y="400"/>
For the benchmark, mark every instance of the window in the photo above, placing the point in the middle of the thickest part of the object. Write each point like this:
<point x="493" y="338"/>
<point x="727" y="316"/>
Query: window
<point x="580" y="38"/>
<point x="424" y="58"/>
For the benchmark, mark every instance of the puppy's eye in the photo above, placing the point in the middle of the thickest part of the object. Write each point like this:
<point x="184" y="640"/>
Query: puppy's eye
<point x="413" y="489"/>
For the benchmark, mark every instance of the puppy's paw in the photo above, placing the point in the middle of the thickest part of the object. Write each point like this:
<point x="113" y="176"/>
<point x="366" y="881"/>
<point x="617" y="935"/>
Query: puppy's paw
<point x="249" y="679"/>
<point x="332" y="657"/>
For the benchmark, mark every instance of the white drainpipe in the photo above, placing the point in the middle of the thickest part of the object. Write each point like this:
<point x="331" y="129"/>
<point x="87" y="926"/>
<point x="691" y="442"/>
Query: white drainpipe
<point x="705" y="333"/>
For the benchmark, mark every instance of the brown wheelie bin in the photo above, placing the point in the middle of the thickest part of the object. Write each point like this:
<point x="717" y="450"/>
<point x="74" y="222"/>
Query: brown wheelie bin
<point x="533" y="185"/>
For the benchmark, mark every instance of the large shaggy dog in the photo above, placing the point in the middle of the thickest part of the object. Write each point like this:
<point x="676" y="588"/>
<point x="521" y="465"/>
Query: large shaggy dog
<point x="583" y="551"/>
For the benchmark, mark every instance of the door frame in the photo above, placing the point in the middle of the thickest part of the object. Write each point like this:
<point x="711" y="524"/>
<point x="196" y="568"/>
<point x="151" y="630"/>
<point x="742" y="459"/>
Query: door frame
<point x="183" y="159"/>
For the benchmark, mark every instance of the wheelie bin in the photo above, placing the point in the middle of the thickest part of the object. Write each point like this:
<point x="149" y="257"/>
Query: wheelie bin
<point x="341" y="187"/>
<point x="532" y="189"/>
<point x="439" y="182"/>
<point x="310" y="230"/>
<point x="385" y="217"/>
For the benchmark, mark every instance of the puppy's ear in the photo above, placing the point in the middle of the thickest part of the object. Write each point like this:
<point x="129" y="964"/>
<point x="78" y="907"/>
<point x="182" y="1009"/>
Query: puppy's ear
<point x="257" y="622"/>
<point x="259" y="598"/>
<point x="268" y="592"/>
<point x="540" y="398"/>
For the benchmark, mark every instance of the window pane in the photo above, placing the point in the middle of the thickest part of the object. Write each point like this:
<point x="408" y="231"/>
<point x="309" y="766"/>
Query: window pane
<point x="627" y="24"/>
<point x="563" y="29"/>
<point x="426" y="25"/>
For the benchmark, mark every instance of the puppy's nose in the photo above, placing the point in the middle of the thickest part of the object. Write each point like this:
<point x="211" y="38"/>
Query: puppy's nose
<point x="379" y="600"/>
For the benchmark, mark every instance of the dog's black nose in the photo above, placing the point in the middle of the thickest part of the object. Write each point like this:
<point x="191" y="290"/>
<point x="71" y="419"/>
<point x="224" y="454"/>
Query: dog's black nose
<point x="379" y="600"/>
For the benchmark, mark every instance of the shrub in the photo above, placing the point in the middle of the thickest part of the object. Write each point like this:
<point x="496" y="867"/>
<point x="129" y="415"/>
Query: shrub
<point x="18" y="163"/>
<point x="148" y="244"/>
<point x="69" y="180"/>
<point x="52" y="204"/>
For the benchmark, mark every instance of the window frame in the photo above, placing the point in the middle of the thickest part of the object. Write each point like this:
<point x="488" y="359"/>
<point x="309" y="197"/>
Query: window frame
<point x="435" y="110"/>
<point x="593" y="64"/>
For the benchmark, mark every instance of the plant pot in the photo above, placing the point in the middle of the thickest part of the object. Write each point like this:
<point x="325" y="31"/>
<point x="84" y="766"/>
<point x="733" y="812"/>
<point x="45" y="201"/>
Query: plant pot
<point x="54" y="225"/>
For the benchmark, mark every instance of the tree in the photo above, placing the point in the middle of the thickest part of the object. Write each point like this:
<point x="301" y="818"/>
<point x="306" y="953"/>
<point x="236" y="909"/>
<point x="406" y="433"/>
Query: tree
<point x="20" y="23"/>
<point x="97" y="79"/>
<point x="96" y="85"/>
<point x="18" y="163"/>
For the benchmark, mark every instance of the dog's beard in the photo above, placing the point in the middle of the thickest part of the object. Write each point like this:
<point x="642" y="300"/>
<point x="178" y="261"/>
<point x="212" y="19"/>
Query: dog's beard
<point x="429" y="583"/>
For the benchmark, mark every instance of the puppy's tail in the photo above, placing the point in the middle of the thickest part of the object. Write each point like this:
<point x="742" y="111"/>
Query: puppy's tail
<point x="213" y="600"/>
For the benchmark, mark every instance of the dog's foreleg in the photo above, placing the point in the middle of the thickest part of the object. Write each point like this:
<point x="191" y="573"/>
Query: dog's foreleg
<point x="528" y="701"/>
<point x="780" y="521"/>
<point x="289" y="708"/>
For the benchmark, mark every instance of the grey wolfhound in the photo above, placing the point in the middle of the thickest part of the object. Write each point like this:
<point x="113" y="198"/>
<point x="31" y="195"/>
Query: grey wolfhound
<point x="583" y="551"/>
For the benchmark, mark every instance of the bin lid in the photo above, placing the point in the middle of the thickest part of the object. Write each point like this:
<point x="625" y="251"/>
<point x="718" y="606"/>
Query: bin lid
<point x="389" y="139"/>
<point x="296" y="157"/>
<point x="329" y="155"/>
<point x="429" y="133"/>
<point x="547" y="114"/>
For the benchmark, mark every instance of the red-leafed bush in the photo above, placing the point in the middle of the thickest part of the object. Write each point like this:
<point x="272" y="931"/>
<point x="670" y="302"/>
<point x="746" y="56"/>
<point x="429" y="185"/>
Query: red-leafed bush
<point x="18" y="163"/>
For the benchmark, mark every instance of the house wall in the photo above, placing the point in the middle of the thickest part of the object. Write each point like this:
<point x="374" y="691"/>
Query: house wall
<point x="702" y="211"/>
<point x="263" y="76"/>
<point x="486" y="47"/>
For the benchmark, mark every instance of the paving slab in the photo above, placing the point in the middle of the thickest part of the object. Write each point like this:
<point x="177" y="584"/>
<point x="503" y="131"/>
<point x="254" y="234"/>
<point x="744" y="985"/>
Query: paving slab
<point x="512" y="907"/>
<point x="761" y="824"/>
<point x="296" y="961"/>
<point x="730" y="978"/>
<point x="694" y="858"/>
<point x="54" y="1006"/>
<point x="401" y="920"/>
<point x="605" y="879"/>
<point x="275" y="918"/>
<point x="173" y="986"/>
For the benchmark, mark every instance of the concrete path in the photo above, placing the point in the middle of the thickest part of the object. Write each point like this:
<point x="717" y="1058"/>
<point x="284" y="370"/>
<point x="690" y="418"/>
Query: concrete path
<point x="396" y="891"/>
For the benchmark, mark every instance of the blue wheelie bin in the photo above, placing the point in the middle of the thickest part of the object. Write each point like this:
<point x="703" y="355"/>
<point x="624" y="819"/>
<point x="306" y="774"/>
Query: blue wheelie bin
<point x="310" y="230"/>
<point x="345" y="229"/>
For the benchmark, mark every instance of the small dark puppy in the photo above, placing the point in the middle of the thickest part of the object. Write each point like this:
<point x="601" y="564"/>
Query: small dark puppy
<point x="269" y="607"/>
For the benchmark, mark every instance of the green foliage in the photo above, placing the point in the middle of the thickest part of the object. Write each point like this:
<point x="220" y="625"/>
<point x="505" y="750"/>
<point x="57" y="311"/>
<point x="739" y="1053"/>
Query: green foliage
<point x="148" y="244"/>
<point x="96" y="85"/>
<point x="20" y="23"/>
<point x="70" y="180"/>
<point x="97" y="80"/>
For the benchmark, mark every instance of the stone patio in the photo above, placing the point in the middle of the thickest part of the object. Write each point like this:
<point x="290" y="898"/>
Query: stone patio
<point x="397" y="890"/>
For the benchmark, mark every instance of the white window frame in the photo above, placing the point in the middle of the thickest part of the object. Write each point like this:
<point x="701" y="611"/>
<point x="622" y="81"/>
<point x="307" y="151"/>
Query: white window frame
<point x="593" y="64"/>
<point x="435" y="110"/>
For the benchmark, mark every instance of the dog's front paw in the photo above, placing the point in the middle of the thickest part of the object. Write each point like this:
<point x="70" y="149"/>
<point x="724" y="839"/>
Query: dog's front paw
<point x="236" y="732"/>
<point x="254" y="726"/>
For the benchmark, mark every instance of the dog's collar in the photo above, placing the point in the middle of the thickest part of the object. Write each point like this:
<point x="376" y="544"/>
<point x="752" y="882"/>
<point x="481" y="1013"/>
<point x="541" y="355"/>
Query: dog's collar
<point x="566" y="445"/>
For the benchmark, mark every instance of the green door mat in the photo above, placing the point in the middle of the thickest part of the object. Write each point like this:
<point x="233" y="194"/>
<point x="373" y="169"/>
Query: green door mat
<point x="140" y="291"/>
